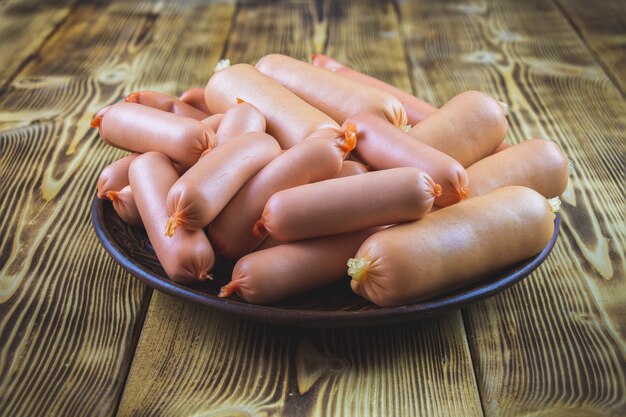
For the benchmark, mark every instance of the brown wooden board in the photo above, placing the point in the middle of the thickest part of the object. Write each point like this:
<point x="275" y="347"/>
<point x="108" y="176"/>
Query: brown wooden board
<point x="69" y="316"/>
<point x="194" y="361"/>
<point x="201" y="362"/>
<point x="602" y="26"/>
<point x="24" y="26"/>
<point x="555" y="344"/>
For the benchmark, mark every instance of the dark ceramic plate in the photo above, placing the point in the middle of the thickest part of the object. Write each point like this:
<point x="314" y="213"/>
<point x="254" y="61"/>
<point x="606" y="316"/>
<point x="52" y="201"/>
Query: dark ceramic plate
<point x="332" y="306"/>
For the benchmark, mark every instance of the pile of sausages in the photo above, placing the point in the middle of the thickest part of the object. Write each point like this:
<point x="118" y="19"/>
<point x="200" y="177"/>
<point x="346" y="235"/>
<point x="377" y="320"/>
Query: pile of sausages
<point x="299" y="170"/>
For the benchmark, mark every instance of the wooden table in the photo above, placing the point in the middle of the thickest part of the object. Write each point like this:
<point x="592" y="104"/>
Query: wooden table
<point x="80" y="337"/>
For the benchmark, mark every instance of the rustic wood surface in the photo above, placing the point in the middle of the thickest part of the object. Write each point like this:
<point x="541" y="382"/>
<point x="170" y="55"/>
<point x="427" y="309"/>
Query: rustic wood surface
<point x="79" y="336"/>
<point x="554" y="343"/>
<point x="603" y="30"/>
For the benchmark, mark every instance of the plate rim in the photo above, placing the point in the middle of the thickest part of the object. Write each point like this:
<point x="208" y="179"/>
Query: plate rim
<point x="317" y="318"/>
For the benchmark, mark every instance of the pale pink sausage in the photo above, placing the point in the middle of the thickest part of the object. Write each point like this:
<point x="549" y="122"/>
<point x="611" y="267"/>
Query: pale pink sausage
<point x="124" y="205"/>
<point x="538" y="164"/>
<point x="416" y="109"/>
<point x="242" y="118"/>
<point x="501" y="147"/>
<point x="166" y="103"/>
<point x="383" y="146"/>
<point x="337" y="96"/>
<point x="468" y="127"/>
<point x="139" y="128"/>
<point x="317" y="158"/>
<point x="214" y="122"/>
<point x="195" y="98"/>
<point x="114" y="177"/>
<point x="205" y="189"/>
<point x="289" y="119"/>
<point x="349" y="168"/>
<point x="293" y="268"/>
<point x="347" y="204"/>
<point x="452" y="247"/>
<point x="186" y="257"/>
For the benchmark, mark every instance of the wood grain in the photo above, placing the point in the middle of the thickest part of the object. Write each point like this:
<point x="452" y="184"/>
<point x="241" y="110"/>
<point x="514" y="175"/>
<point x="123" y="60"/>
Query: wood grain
<point x="367" y="36"/>
<point x="410" y="369"/>
<point x="192" y="361"/>
<point x="225" y="366"/>
<point x="603" y="29"/>
<point x="69" y="316"/>
<point x="24" y="25"/>
<point x="554" y="345"/>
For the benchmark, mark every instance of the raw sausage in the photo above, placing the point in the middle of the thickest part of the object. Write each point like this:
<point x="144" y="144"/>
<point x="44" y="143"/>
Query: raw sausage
<point x="452" y="247"/>
<point x="501" y="147"/>
<point x="349" y="168"/>
<point x="139" y="128"/>
<point x="195" y="97"/>
<point x="468" y="127"/>
<point x="114" y="177"/>
<point x="214" y="121"/>
<point x="242" y="118"/>
<point x="347" y="204"/>
<point x="203" y="191"/>
<point x="383" y="146"/>
<point x="337" y="96"/>
<point x="188" y="256"/>
<point x="166" y="103"/>
<point x="124" y="205"/>
<point x="317" y="158"/>
<point x="293" y="268"/>
<point x="416" y="109"/>
<point x="289" y="119"/>
<point x="538" y="164"/>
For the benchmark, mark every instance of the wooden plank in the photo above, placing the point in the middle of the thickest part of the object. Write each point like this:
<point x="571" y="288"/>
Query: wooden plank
<point x="603" y="29"/>
<point x="232" y="367"/>
<point x="192" y="361"/>
<point x="69" y="316"/>
<point x="24" y="25"/>
<point x="206" y="362"/>
<point x="366" y="35"/>
<point x="554" y="344"/>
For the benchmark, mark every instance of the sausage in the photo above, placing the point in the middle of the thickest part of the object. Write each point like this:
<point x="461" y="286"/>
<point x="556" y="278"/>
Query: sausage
<point x="346" y="204"/>
<point x="452" y="247"/>
<point x="293" y="268"/>
<point x="289" y="119"/>
<point x="203" y="191"/>
<point x="166" y="103"/>
<point x="349" y="168"/>
<point x="114" y="177"/>
<point x="468" y="127"/>
<point x="187" y="257"/>
<point x="416" y="109"/>
<point x="337" y="96"/>
<point x="538" y="164"/>
<point x="501" y="147"/>
<point x="138" y="128"/>
<point x="125" y="206"/>
<point x="242" y="118"/>
<point x="195" y="97"/>
<point x="214" y="122"/>
<point x="383" y="146"/>
<point x="317" y="158"/>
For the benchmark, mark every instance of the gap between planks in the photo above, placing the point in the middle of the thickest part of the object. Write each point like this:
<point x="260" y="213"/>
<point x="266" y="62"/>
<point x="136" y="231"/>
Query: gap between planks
<point x="592" y="51"/>
<point x="27" y="59"/>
